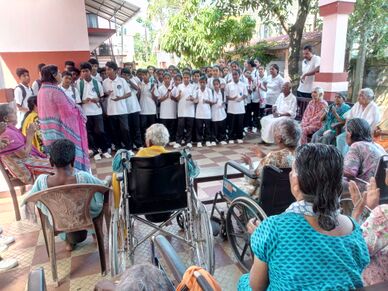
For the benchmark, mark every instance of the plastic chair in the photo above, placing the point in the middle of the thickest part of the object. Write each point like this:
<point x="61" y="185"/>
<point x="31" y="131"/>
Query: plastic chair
<point x="13" y="182"/>
<point x="69" y="209"/>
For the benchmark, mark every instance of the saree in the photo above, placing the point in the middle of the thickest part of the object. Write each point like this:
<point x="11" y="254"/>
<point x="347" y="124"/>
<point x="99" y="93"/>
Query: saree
<point x="22" y="168"/>
<point x="61" y="118"/>
<point x="37" y="140"/>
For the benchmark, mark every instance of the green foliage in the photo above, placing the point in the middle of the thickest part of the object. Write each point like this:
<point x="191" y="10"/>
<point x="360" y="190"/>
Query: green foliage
<point x="370" y="18"/>
<point x="143" y="43"/>
<point x="199" y="34"/>
<point x="247" y="52"/>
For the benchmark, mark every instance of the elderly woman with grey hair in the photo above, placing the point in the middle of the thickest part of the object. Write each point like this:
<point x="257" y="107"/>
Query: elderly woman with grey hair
<point x="365" y="108"/>
<point x="156" y="138"/>
<point x="287" y="133"/>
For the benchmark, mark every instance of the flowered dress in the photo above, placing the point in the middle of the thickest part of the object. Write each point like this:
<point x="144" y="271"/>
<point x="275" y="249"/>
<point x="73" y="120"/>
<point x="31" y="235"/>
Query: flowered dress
<point x="311" y="120"/>
<point x="375" y="232"/>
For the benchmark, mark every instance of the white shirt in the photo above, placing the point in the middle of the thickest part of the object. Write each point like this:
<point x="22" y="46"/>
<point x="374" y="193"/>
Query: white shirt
<point x="186" y="108"/>
<point x="132" y="101"/>
<point x="18" y="97"/>
<point x="97" y="77"/>
<point x="90" y="108"/>
<point x="218" y="109"/>
<point x="232" y="90"/>
<point x="72" y="94"/>
<point x="371" y="113"/>
<point x="168" y="106"/>
<point x="286" y="104"/>
<point x="308" y="66"/>
<point x="147" y="104"/>
<point x="274" y="87"/>
<point x="260" y="89"/>
<point x="35" y="87"/>
<point x="119" y="87"/>
<point x="203" y="110"/>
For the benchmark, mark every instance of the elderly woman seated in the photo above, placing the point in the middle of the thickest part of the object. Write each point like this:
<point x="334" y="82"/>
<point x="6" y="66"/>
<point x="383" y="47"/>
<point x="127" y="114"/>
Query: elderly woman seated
<point x="332" y="116"/>
<point x="365" y="108"/>
<point x="156" y="138"/>
<point x="364" y="155"/>
<point x="312" y="116"/>
<point x="311" y="246"/>
<point x="286" y="136"/>
<point x="285" y="107"/>
<point x="20" y="157"/>
<point x="62" y="156"/>
<point x="31" y="117"/>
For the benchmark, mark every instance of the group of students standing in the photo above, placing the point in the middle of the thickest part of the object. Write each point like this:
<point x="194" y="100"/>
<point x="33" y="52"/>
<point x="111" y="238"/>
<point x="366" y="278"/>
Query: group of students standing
<point x="209" y="106"/>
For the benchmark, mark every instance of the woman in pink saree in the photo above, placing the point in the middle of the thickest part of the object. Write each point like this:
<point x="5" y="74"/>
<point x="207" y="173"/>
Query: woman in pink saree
<point x="17" y="153"/>
<point x="61" y="118"/>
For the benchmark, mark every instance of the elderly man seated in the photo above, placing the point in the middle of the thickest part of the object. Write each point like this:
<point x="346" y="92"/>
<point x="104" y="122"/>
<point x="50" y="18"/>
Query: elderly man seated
<point x="365" y="108"/>
<point x="285" y="107"/>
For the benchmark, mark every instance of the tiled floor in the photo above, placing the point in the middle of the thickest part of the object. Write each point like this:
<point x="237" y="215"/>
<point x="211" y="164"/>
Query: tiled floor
<point x="79" y="269"/>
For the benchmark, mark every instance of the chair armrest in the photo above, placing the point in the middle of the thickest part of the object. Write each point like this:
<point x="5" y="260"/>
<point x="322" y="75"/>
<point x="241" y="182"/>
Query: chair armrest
<point x="36" y="280"/>
<point x="172" y="259"/>
<point x="239" y="168"/>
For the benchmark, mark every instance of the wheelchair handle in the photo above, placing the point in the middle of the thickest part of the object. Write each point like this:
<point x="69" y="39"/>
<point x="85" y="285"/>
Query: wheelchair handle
<point x="239" y="168"/>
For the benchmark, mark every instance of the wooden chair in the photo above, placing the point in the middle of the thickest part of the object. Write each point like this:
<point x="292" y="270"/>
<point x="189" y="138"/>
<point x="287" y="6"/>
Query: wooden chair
<point x="13" y="182"/>
<point x="69" y="209"/>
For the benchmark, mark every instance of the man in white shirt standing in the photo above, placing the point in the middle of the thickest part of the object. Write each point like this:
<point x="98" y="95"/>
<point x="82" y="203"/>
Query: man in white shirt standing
<point x="70" y="90"/>
<point x="117" y="90"/>
<point x="186" y="112"/>
<point x="21" y="94"/>
<point x="203" y="115"/>
<point x="235" y="93"/>
<point x="310" y="66"/>
<point x="90" y="92"/>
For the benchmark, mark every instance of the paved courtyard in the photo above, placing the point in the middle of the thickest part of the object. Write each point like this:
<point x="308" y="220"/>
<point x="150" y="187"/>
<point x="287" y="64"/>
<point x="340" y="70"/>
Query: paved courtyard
<point x="79" y="269"/>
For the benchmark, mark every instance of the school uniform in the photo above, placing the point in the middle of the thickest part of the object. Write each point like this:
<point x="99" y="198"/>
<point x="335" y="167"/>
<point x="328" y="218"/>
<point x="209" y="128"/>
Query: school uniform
<point x="72" y="92"/>
<point x="147" y="105"/>
<point x="97" y="77"/>
<point x="117" y="111"/>
<point x="203" y="115"/>
<point x="21" y="95"/>
<point x="218" y="117"/>
<point x="306" y="87"/>
<point x="134" y="116"/>
<point x="248" y="104"/>
<point x="186" y="114"/>
<point x="36" y="86"/>
<point x="95" y="122"/>
<point x="210" y="82"/>
<point x="236" y="109"/>
<point x="168" y="110"/>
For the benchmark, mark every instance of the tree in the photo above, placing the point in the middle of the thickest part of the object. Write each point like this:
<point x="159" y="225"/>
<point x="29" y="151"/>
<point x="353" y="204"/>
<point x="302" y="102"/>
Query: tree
<point x="143" y="44"/>
<point x="277" y="12"/>
<point x="368" y="30"/>
<point x="200" y="33"/>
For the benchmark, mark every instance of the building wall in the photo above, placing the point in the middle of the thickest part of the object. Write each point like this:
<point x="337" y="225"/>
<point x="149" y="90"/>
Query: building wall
<point x="40" y="31"/>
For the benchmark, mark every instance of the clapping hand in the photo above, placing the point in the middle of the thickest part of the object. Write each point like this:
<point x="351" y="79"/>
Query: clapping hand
<point x="32" y="129"/>
<point x="246" y="159"/>
<point x="369" y="198"/>
<point x="256" y="150"/>
<point x="252" y="224"/>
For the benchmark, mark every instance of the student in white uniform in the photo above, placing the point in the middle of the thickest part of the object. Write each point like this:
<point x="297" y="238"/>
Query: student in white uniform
<point x="285" y="107"/>
<point x="203" y="115"/>
<point x="235" y="94"/>
<point x="68" y="87"/>
<point x="196" y="75"/>
<point x="274" y="85"/>
<point x="117" y="90"/>
<point x="262" y="90"/>
<point x="90" y="93"/>
<point x="148" y="99"/>
<point x="168" y="106"/>
<point x="216" y="75"/>
<point x="186" y="112"/>
<point x="95" y="66"/>
<point x="21" y="94"/>
<point x="134" y="109"/>
<point x="218" y="114"/>
<point x="310" y="66"/>
<point x="38" y="82"/>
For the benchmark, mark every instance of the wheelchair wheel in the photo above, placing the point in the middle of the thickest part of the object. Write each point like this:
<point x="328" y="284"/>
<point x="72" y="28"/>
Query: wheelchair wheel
<point x="241" y="210"/>
<point x="203" y="238"/>
<point x="117" y="244"/>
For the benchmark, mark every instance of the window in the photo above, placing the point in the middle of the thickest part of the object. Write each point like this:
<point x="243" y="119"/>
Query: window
<point x="92" y="20"/>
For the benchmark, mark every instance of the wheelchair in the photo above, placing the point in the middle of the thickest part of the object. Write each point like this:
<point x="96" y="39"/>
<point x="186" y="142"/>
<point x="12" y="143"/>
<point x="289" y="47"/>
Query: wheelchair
<point x="154" y="191"/>
<point x="275" y="197"/>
